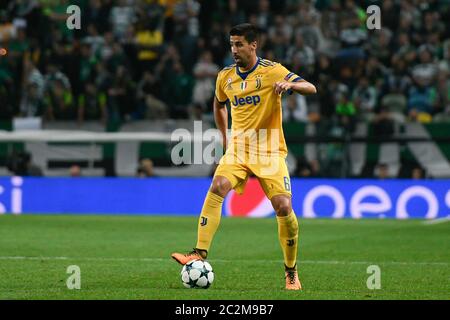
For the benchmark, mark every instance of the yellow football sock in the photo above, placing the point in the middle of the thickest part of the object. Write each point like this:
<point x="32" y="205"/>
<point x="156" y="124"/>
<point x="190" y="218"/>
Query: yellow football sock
<point x="209" y="220"/>
<point x="288" y="236"/>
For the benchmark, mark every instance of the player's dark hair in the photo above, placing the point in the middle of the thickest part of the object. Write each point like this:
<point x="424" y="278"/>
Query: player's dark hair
<point x="249" y="31"/>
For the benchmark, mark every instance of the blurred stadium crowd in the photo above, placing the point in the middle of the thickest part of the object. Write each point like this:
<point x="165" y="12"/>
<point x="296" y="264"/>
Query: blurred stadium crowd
<point x="158" y="59"/>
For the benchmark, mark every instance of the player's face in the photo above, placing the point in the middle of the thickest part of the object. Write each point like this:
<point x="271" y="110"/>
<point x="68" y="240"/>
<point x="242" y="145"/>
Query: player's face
<point x="242" y="50"/>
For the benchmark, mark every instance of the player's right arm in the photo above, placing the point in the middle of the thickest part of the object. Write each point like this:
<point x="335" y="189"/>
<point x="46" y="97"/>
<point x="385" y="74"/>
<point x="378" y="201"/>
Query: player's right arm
<point x="220" y="110"/>
<point x="221" y="119"/>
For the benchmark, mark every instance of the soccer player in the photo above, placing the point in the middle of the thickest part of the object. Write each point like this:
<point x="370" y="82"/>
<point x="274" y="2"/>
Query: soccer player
<point x="253" y="88"/>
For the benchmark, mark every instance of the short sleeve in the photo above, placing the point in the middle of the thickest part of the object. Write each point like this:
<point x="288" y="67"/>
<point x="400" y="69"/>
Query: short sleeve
<point x="283" y="74"/>
<point x="220" y="94"/>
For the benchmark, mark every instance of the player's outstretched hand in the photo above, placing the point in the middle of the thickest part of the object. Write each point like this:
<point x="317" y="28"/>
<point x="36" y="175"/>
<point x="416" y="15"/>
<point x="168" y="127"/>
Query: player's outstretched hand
<point x="282" y="86"/>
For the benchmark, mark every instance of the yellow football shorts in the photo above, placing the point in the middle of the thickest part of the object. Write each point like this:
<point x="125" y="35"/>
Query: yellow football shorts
<point x="271" y="172"/>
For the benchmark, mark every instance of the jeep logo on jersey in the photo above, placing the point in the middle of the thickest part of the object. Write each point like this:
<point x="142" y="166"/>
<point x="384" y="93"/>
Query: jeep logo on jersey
<point x="246" y="100"/>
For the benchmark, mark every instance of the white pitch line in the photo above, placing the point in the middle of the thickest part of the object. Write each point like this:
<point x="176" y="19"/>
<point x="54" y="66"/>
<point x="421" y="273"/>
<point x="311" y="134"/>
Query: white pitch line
<point x="230" y="261"/>
<point x="436" y="221"/>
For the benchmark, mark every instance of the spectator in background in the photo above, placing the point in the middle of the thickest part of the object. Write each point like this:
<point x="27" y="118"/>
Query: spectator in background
<point x="97" y="12"/>
<point x="444" y="92"/>
<point x="186" y="17"/>
<point x="330" y="22"/>
<point x="345" y="110"/>
<point x="390" y="14"/>
<point x="365" y="99"/>
<point x="295" y="108"/>
<point x="417" y="173"/>
<point x="205" y="72"/>
<point x="375" y="72"/>
<point x="408" y="17"/>
<point x="94" y="41"/>
<point x="422" y="100"/>
<point x="145" y="168"/>
<point x="149" y="42"/>
<point x="106" y="50"/>
<point x="278" y="47"/>
<point x="118" y="58"/>
<point x="121" y="96"/>
<point x="380" y="46"/>
<point x="404" y="50"/>
<point x="75" y="171"/>
<point x="180" y="87"/>
<point x="103" y="77"/>
<point x="55" y="75"/>
<point x="59" y="57"/>
<point x="186" y="33"/>
<point x="327" y="98"/>
<point x="444" y="64"/>
<point x="394" y="102"/>
<point x="309" y="26"/>
<point x="352" y="37"/>
<point x="7" y="90"/>
<point x="21" y="164"/>
<point x="280" y="29"/>
<point x="59" y="104"/>
<point x="153" y="12"/>
<point x="303" y="54"/>
<point x="31" y="104"/>
<point x="431" y="25"/>
<point x="20" y="44"/>
<point x="197" y="112"/>
<point x="92" y="104"/>
<point x="56" y="11"/>
<point x="426" y="70"/>
<point x="307" y="169"/>
<point x="218" y="43"/>
<point x="264" y="18"/>
<point x="397" y="79"/>
<point x="165" y="67"/>
<point x="129" y="47"/>
<point x="236" y="14"/>
<point x="121" y="17"/>
<point x="148" y="92"/>
<point x="382" y="171"/>
<point x="383" y="124"/>
<point x="87" y="62"/>
<point x="322" y="70"/>
<point x="332" y="155"/>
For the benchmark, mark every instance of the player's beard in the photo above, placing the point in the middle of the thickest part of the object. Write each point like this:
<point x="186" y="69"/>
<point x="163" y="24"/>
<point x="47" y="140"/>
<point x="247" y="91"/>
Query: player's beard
<point x="241" y="63"/>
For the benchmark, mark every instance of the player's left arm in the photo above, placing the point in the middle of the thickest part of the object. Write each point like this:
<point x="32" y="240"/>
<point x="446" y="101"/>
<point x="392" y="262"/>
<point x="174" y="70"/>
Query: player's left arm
<point x="286" y="81"/>
<point x="301" y="86"/>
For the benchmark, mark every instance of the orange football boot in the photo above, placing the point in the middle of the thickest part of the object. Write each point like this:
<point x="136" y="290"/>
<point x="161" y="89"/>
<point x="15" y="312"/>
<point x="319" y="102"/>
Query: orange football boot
<point x="292" y="280"/>
<point x="195" y="254"/>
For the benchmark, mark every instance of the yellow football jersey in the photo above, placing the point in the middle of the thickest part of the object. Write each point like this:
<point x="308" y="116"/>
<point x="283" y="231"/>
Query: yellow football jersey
<point x="256" y="111"/>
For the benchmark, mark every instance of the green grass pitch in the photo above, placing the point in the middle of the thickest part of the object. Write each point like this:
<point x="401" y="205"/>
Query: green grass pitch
<point x="124" y="257"/>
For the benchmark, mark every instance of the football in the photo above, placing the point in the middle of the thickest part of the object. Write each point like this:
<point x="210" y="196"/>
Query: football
<point x="197" y="274"/>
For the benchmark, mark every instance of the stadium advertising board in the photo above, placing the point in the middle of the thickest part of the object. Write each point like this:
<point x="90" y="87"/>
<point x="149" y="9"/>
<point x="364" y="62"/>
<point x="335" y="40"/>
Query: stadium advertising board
<point x="313" y="198"/>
